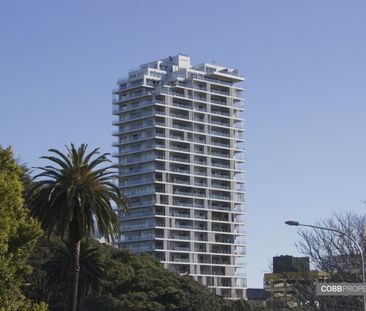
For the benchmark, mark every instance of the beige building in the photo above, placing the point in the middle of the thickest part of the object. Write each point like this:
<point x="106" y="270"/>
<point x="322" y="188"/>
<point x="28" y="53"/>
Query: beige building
<point x="292" y="284"/>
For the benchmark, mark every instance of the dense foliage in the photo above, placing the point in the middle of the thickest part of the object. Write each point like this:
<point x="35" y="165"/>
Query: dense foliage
<point x="73" y="195"/>
<point x="129" y="282"/>
<point x="18" y="234"/>
<point x="34" y="274"/>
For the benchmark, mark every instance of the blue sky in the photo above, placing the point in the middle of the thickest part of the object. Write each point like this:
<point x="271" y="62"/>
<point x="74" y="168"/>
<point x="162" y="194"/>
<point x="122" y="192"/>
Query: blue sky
<point x="304" y="63"/>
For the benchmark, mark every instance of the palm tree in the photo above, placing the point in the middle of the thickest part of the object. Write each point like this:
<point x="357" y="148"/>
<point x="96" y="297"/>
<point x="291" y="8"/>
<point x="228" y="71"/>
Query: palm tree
<point x="73" y="196"/>
<point x="91" y="269"/>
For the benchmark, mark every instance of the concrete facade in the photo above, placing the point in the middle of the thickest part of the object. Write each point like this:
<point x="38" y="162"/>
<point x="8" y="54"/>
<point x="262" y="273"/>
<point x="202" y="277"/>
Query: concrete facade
<point x="179" y="148"/>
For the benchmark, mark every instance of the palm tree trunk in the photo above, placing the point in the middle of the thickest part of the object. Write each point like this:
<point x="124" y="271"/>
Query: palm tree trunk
<point x="74" y="277"/>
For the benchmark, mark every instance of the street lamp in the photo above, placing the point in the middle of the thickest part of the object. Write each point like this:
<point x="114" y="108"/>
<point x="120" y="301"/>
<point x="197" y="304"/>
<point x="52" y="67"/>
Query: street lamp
<point x="297" y="224"/>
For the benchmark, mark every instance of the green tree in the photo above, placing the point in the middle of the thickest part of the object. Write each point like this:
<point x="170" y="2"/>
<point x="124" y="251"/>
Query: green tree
<point x="73" y="196"/>
<point x="18" y="234"/>
<point x="91" y="269"/>
<point x="130" y="282"/>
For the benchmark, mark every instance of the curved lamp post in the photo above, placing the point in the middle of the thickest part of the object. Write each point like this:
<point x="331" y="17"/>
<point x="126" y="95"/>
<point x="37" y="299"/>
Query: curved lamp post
<point x="297" y="224"/>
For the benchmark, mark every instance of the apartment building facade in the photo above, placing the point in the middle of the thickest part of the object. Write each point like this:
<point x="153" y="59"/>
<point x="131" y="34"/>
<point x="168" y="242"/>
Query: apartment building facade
<point x="179" y="150"/>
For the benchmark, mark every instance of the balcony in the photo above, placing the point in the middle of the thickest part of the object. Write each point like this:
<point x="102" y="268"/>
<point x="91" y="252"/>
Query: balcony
<point x="138" y="202"/>
<point x="137" y="238"/>
<point x="158" y="123"/>
<point x="175" y="147"/>
<point x="219" y="164"/>
<point x="219" y="91"/>
<point x="220" y="133"/>
<point x="179" y="159"/>
<point x="200" y="216"/>
<point x="136" y="116"/>
<point x="220" y="112"/>
<point x="220" y="207"/>
<point x="179" y="214"/>
<point x="200" y="249"/>
<point x="229" y="240"/>
<point x="189" y="193"/>
<point x="180" y="170"/>
<point x="182" y="127"/>
<point x="131" y="160"/>
<point x="180" y="237"/>
<point x="216" y="143"/>
<point x="183" y="249"/>
<point x="179" y="115"/>
<point x="220" y="186"/>
<point x="182" y="203"/>
<point x="134" y="148"/>
<point x="200" y="109"/>
<point x="177" y="137"/>
<point x="183" y="226"/>
<point x="161" y="146"/>
<point x="200" y="162"/>
<point x="220" y="216"/>
<point x="220" y="197"/>
<point x="200" y="184"/>
<point x="160" y="212"/>
<point x="221" y="251"/>
<point x="200" y="173"/>
<point x="200" y="227"/>
<point x="220" y="154"/>
<point x="181" y="105"/>
<point x="130" y="96"/>
<point x="157" y="134"/>
<point x="180" y="181"/>
<point x="219" y="175"/>
<point x="221" y="123"/>
<point x="222" y="228"/>
<point x="212" y="80"/>
<point x="141" y="104"/>
<point x="218" y="101"/>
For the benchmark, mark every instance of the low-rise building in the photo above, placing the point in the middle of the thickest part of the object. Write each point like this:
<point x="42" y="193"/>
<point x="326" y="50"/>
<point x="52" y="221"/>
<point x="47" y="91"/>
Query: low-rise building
<point x="291" y="284"/>
<point x="256" y="296"/>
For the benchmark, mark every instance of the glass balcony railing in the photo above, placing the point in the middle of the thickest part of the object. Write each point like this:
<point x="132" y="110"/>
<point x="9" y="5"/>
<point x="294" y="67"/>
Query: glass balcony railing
<point x="180" y="259"/>
<point x="180" y="237"/>
<point x="183" y="215"/>
<point x="179" y="159"/>
<point x="200" y="173"/>
<point x="220" y="154"/>
<point x="181" y="226"/>
<point x="220" y="186"/>
<point x="220" y="197"/>
<point x="174" y="147"/>
<point x="216" y="143"/>
<point x="217" y="164"/>
<point x="132" y="106"/>
<point x="217" y="133"/>
<point x="220" y="123"/>
<point x="179" y="170"/>
<point x="136" y="116"/>
<point x="218" y="91"/>
<point x="177" y="248"/>
<point x="219" y="101"/>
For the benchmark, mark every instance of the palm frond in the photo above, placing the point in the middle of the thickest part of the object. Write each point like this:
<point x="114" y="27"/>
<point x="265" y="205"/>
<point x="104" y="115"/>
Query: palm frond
<point x="77" y="191"/>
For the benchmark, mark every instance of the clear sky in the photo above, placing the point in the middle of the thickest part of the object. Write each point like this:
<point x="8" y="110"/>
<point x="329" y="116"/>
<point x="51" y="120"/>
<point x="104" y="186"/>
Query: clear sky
<point x="305" y="69"/>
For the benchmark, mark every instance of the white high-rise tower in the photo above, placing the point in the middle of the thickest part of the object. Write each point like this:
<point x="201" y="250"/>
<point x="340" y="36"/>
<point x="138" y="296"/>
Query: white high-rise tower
<point x="179" y="141"/>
